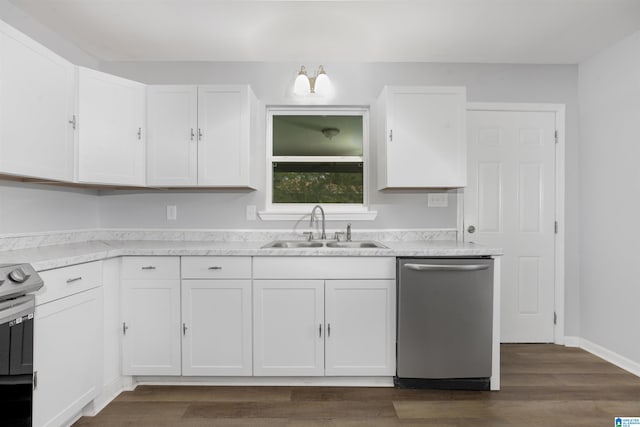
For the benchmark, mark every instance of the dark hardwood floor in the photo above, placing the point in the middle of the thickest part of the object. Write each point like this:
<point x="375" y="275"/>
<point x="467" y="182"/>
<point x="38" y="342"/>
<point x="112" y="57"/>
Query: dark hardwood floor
<point x="543" y="385"/>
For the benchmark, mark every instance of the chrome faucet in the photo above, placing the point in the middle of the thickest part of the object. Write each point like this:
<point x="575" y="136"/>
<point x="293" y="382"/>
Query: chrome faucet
<point x="323" y="236"/>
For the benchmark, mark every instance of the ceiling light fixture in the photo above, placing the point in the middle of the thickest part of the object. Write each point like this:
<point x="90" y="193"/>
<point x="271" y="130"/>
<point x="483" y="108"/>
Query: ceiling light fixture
<point x="318" y="84"/>
<point x="330" y="132"/>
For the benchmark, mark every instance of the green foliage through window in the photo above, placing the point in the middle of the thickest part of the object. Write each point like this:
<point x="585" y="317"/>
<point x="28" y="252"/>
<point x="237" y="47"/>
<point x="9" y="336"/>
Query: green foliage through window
<point x="318" y="183"/>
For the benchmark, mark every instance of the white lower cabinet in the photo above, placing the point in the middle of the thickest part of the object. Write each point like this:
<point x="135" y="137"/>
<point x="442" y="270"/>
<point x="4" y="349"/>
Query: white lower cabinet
<point x="360" y="319"/>
<point x="317" y="317"/>
<point x="67" y="343"/>
<point x="328" y="316"/>
<point x="151" y="316"/>
<point x="216" y="327"/>
<point x="288" y="327"/>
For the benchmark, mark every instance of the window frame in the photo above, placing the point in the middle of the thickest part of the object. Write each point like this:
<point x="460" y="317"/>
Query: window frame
<point x="333" y="211"/>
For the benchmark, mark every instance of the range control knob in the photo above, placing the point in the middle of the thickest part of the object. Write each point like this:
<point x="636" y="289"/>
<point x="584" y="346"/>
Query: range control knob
<point x="18" y="275"/>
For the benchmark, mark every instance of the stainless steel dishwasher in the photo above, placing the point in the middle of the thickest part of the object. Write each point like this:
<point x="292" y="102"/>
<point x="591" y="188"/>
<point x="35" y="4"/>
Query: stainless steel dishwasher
<point x="445" y="319"/>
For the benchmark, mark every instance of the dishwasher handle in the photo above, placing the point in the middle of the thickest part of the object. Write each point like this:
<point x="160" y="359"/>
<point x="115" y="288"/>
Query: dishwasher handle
<point x="446" y="267"/>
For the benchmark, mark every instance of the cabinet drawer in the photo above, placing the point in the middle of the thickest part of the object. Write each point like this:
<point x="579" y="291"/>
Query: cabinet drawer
<point x="344" y="267"/>
<point x="62" y="282"/>
<point x="151" y="267"/>
<point x="216" y="267"/>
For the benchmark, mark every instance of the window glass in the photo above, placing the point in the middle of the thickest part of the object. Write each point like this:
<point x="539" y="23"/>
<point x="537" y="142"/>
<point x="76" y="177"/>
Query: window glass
<point x="321" y="182"/>
<point x="308" y="135"/>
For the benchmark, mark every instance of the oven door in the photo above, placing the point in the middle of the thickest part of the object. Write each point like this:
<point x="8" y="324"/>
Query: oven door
<point x="16" y="360"/>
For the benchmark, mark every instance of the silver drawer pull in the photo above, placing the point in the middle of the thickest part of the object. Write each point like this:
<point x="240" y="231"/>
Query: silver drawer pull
<point x="215" y="267"/>
<point x="149" y="267"/>
<point x="446" y="267"/>
<point x="74" y="279"/>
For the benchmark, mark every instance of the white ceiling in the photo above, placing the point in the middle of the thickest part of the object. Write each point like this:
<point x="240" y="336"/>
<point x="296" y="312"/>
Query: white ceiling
<point x="494" y="31"/>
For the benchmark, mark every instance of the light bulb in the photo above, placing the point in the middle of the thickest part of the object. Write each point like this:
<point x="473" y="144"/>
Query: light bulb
<point x="302" y="86"/>
<point x="322" y="83"/>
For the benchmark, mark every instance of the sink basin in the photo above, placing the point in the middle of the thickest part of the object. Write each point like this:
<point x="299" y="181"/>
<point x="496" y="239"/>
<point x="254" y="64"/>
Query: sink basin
<point x="321" y="244"/>
<point x="293" y="244"/>
<point x="361" y="244"/>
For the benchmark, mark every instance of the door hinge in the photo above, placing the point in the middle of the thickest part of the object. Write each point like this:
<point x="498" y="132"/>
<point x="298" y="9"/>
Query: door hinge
<point x="35" y="380"/>
<point x="555" y="318"/>
<point x="555" y="135"/>
<point x="555" y="227"/>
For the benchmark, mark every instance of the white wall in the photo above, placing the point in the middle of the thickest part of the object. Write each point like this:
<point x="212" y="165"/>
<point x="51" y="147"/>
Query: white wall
<point x="609" y="88"/>
<point x="29" y="208"/>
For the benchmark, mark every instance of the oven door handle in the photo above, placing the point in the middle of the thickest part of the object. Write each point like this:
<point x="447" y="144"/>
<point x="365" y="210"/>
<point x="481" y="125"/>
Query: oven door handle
<point x="19" y="307"/>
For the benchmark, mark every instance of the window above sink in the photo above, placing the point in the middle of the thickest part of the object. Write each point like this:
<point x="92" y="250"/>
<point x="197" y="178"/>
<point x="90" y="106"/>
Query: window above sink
<point x="317" y="156"/>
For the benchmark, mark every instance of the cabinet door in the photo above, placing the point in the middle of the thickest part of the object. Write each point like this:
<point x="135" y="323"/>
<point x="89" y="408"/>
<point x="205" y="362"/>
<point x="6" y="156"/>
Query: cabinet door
<point x="111" y="140"/>
<point x="151" y="327"/>
<point x="424" y="141"/>
<point x="67" y="356"/>
<point x="224" y="121"/>
<point x="288" y="326"/>
<point x="172" y="121"/>
<point x="360" y="321"/>
<point x="216" y="317"/>
<point x="36" y="109"/>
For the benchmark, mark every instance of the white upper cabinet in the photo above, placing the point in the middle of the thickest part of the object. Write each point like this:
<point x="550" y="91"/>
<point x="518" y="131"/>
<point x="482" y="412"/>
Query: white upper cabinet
<point x="111" y="140"/>
<point x="422" y="142"/>
<point x="200" y="135"/>
<point x="36" y="109"/>
<point x="225" y="119"/>
<point x="172" y="146"/>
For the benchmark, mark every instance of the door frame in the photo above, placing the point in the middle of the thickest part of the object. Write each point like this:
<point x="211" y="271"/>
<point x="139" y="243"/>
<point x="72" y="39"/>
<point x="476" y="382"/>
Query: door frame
<point x="559" y="267"/>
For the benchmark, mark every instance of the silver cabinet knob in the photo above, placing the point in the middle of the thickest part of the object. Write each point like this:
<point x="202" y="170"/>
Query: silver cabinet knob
<point x="471" y="229"/>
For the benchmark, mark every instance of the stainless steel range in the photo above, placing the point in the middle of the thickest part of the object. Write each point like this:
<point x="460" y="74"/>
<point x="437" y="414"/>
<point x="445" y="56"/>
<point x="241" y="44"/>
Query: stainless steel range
<point x="17" y="306"/>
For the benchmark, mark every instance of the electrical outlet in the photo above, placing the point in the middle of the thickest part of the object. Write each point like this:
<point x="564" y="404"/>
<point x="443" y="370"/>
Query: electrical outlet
<point x="437" y="200"/>
<point x="251" y="212"/>
<point x="172" y="212"/>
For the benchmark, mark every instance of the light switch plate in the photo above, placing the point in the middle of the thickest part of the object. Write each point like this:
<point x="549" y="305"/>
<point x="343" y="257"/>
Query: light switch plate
<point x="251" y="212"/>
<point x="172" y="212"/>
<point x="437" y="200"/>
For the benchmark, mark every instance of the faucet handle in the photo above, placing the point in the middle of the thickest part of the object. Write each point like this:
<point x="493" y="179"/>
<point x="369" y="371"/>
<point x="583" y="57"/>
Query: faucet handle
<point x="337" y="235"/>
<point x="309" y="235"/>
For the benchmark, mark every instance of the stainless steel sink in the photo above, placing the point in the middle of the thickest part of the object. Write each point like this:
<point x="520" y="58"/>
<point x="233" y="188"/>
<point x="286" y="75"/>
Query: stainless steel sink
<point x="293" y="244"/>
<point x="357" y="244"/>
<point x="320" y="244"/>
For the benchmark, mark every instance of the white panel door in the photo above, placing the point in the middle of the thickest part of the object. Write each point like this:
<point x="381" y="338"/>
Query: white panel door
<point x="67" y="356"/>
<point x="360" y="323"/>
<point x="288" y="326"/>
<point x="172" y="147"/>
<point x="151" y="327"/>
<point x="510" y="201"/>
<point x="216" y="327"/>
<point x="36" y="109"/>
<point x="224" y="131"/>
<point x="111" y="138"/>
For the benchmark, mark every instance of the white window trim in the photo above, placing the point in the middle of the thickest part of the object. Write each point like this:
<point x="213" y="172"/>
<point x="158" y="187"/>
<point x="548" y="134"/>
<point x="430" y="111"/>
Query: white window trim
<point x="333" y="211"/>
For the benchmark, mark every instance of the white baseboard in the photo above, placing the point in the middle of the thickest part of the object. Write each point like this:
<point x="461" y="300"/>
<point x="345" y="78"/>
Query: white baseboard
<point x="109" y="392"/>
<point x="572" y="341"/>
<point x="604" y="353"/>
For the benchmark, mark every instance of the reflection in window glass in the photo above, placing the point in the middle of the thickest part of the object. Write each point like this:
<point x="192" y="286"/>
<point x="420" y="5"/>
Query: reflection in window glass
<point x="317" y="183"/>
<point x="306" y="135"/>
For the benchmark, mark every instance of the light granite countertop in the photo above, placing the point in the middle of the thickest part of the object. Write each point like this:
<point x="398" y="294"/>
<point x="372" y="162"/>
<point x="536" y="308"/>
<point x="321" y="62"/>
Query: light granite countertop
<point x="55" y="256"/>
